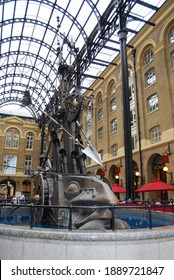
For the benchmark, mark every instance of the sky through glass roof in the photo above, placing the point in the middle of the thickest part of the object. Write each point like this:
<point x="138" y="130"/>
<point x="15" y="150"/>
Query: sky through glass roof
<point x="32" y="35"/>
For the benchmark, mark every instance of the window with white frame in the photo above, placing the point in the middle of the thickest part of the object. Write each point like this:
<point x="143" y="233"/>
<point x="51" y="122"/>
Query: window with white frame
<point x="133" y="117"/>
<point x="152" y="103"/>
<point x="29" y="141"/>
<point x="155" y="134"/>
<point x="88" y="125"/>
<point x="112" y="88"/>
<point x="12" y="139"/>
<point x="9" y="164"/>
<point x="100" y="115"/>
<point x="89" y="117"/>
<point x="134" y="141"/>
<point x="150" y="77"/>
<point x="101" y="154"/>
<point x="100" y="133"/>
<point x="131" y="92"/>
<point x="113" y="125"/>
<point x="89" y="110"/>
<point x="130" y="72"/>
<point x="171" y="36"/>
<point x="8" y="139"/>
<point x="148" y="57"/>
<point x="114" y="150"/>
<point x="27" y="165"/>
<point x="172" y="59"/>
<point x="16" y="139"/>
<point x="113" y="105"/>
<point x="99" y="100"/>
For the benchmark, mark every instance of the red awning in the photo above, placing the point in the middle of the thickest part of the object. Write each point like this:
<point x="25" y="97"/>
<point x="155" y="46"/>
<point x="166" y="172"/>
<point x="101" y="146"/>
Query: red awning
<point x="118" y="189"/>
<point x="156" y="185"/>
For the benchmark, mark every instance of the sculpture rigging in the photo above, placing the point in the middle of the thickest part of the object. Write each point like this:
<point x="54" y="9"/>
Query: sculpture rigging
<point x="62" y="179"/>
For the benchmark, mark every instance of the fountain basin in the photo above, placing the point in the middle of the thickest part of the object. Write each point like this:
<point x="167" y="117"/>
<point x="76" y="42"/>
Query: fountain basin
<point x="17" y="242"/>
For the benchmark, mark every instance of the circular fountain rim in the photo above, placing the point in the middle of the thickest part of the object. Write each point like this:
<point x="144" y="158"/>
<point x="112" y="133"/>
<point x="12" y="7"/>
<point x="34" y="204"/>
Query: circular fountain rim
<point x="88" y="235"/>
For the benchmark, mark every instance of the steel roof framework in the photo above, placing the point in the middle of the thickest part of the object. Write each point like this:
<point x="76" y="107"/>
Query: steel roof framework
<point x="36" y="35"/>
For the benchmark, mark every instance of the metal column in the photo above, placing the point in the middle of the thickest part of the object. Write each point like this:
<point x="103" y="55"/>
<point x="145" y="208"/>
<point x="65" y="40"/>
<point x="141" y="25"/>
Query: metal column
<point x="126" y="108"/>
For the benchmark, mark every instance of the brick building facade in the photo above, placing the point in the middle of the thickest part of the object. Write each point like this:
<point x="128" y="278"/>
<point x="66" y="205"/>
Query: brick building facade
<point x="151" y="89"/>
<point x="20" y="150"/>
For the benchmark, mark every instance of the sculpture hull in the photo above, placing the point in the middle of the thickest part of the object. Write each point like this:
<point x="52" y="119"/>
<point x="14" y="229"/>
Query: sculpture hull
<point x="79" y="191"/>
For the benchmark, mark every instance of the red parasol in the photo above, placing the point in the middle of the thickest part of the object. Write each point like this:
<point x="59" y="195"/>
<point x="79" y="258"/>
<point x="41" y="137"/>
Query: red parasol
<point x="118" y="189"/>
<point x="156" y="185"/>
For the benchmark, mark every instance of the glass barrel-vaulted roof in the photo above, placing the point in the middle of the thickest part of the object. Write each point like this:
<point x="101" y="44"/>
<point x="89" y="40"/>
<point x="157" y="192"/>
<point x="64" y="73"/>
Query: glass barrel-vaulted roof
<point x="33" y="36"/>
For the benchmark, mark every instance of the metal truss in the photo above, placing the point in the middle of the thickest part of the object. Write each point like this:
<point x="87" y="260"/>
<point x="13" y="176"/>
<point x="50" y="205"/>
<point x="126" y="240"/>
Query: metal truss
<point x="33" y="34"/>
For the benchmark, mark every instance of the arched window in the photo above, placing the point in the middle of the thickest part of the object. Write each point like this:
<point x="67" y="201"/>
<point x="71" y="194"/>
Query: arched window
<point x="12" y="139"/>
<point x="16" y="140"/>
<point x="171" y="36"/>
<point x="112" y="88"/>
<point x="148" y="57"/>
<point x="29" y="141"/>
<point x="8" y="139"/>
<point x="150" y="77"/>
<point x="99" y="100"/>
<point x="172" y="59"/>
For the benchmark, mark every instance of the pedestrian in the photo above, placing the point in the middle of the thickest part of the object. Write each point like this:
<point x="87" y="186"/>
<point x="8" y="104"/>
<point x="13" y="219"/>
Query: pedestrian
<point x="14" y="200"/>
<point x="5" y="198"/>
<point x="21" y="198"/>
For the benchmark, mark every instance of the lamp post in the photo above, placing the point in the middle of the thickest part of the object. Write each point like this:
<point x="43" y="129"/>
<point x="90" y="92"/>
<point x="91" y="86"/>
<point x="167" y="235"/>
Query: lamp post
<point x="117" y="182"/>
<point x="165" y="169"/>
<point x="136" y="177"/>
<point x="137" y="174"/>
<point x="117" y="179"/>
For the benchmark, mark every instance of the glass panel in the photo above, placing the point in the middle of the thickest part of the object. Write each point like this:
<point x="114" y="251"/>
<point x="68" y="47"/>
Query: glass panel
<point x="153" y="103"/>
<point x="171" y="36"/>
<point x="114" y="125"/>
<point x="150" y="77"/>
<point x="155" y="134"/>
<point x="16" y="140"/>
<point x="10" y="163"/>
<point x="38" y="20"/>
<point x="114" y="150"/>
<point x="100" y="133"/>
<point x="172" y="59"/>
<point x="148" y="57"/>
<point x="28" y="165"/>
<point x="29" y="141"/>
<point x="8" y="140"/>
<point x="113" y="106"/>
